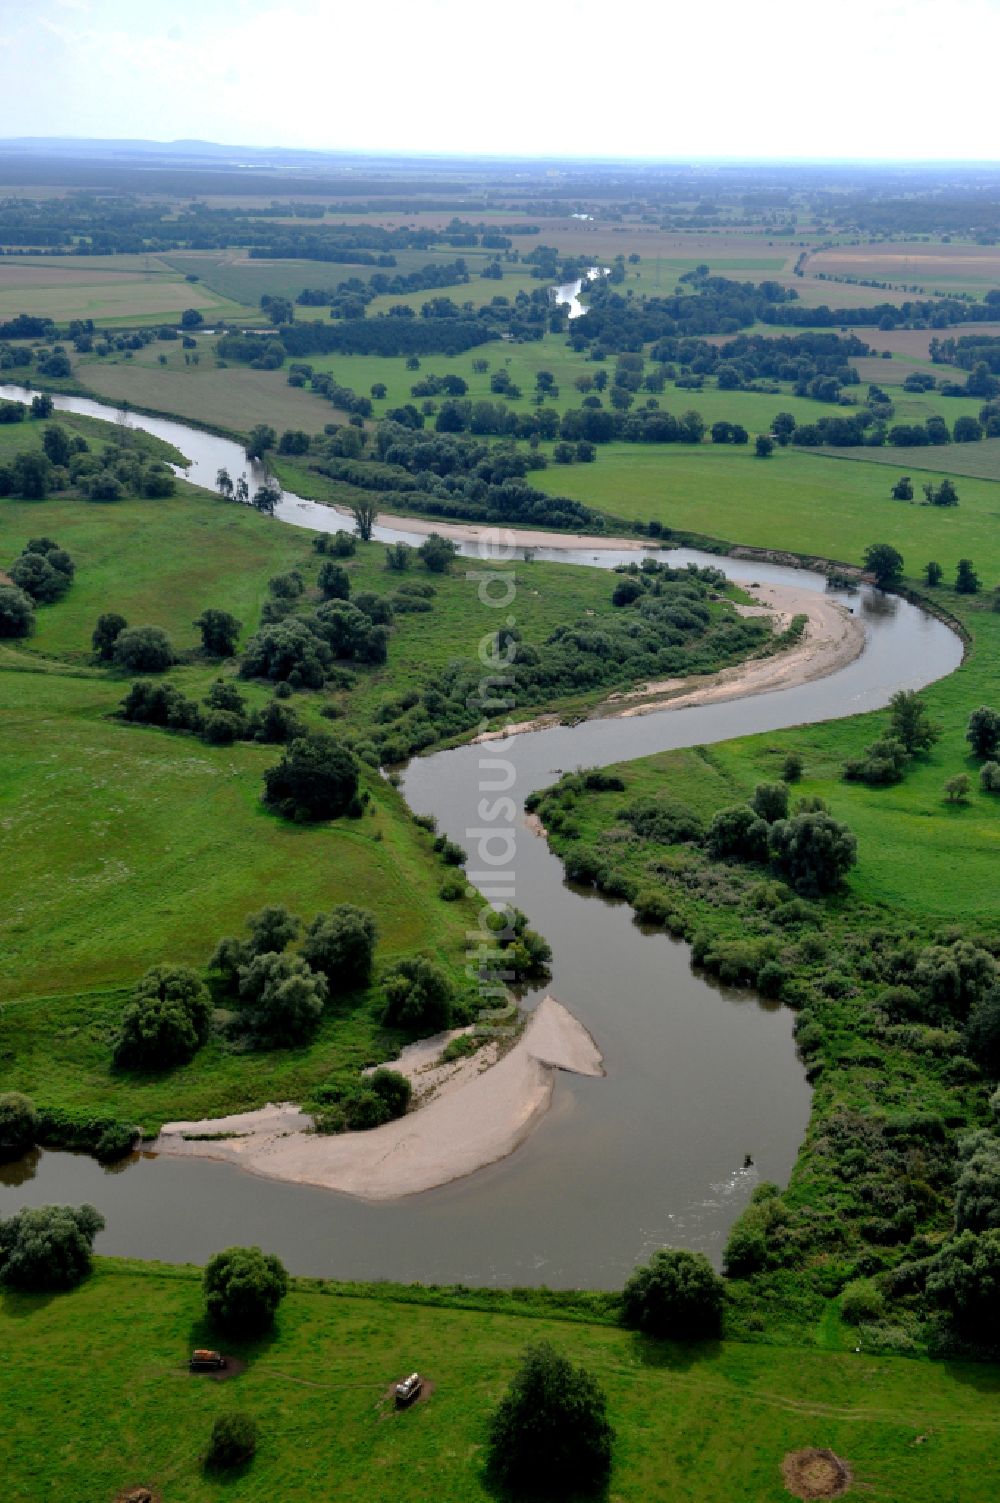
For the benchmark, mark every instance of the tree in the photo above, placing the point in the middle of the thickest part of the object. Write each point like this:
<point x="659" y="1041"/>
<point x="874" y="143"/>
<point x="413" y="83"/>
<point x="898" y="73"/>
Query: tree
<point x="288" y="650"/>
<point x="861" y="1303"/>
<point x="783" y="427"/>
<point x="958" y="788"/>
<point x="964" y="1280"/>
<point x="983" y="732"/>
<point x="910" y="723"/>
<point x="243" y="1289"/>
<point x="418" y="996"/>
<point x="17" y="612"/>
<point x="398" y="557"/>
<point x="966" y="578"/>
<point x="242" y="491"/>
<point x="224" y="484"/>
<point x="792" y="768"/>
<point x="739" y="832"/>
<point x="266" y="498"/>
<point x="262" y="437"/>
<point x="191" y="318"/>
<point x="281" y="1000"/>
<point x="977" y="1189"/>
<point x="48" y="1247"/>
<point x="437" y="553"/>
<point x="334" y="581"/>
<point x="32" y="475"/>
<point x="770" y="801"/>
<point x="812" y="851"/>
<point x="56" y="445"/>
<point x="982" y="1033"/>
<point x="106" y="633"/>
<point x="271" y="931"/>
<point x="932" y="574"/>
<point x="165" y="1021"/>
<point x="882" y="560"/>
<point x="18" y="1123"/>
<point x="550" y="1434"/>
<point x="39" y="577"/>
<point x="341" y="945"/>
<point x="219" y="633"/>
<point x="378" y="390"/>
<point x="943" y="495"/>
<point x="989" y="777"/>
<point x="232" y="1442"/>
<point x="317" y="778"/>
<point x="903" y="489"/>
<point x="143" y="649"/>
<point x="763" y="446"/>
<point x="677" y="1294"/>
<point x="365" y="516"/>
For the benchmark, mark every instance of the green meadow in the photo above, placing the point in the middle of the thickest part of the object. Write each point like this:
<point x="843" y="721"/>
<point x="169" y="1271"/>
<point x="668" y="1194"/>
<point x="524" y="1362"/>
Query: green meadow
<point x="696" y="1423"/>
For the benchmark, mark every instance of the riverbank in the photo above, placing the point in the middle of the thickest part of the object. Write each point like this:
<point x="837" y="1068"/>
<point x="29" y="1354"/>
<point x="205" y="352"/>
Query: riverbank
<point x="477" y="1113"/>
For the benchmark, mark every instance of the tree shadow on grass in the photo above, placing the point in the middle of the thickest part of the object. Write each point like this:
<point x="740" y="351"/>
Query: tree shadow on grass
<point x="22" y="1304"/>
<point x="674" y="1356"/>
<point x="504" y="1492"/>
<point x="203" y="1332"/>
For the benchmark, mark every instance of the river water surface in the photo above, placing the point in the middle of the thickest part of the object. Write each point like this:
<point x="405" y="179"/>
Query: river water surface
<point x="698" y="1076"/>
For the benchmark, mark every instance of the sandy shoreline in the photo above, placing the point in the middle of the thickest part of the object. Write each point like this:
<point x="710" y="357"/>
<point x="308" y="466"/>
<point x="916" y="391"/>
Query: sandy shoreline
<point x="496" y="537"/>
<point x="478" y="1112"/>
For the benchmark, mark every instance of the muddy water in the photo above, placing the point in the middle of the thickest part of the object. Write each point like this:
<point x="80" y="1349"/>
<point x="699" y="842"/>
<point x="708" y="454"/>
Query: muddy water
<point x="697" y="1076"/>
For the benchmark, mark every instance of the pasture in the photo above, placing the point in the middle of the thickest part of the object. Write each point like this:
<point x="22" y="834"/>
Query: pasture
<point x="143" y="290"/>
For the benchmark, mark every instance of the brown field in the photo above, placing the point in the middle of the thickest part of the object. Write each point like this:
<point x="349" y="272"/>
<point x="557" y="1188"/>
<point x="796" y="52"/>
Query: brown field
<point x="932" y="265"/>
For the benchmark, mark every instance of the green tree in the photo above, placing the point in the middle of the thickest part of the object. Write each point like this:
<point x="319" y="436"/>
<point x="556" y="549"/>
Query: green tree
<point x="287" y="651"/>
<point x="106" y="633"/>
<point x="219" y="633"/>
<point x="550" y="1435"/>
<point x="270" y="931"/>
<point x="39" y="577"/>
<point x="418" y="996"/>
<point x="763" y="446"/>
<point x="143" y="649"/>
<point x="977" y="1189"/>
<point x="957" y="789"/>
<point x="18" y="1124"/>
<point x="17" y="612"/>
<point x="243" y="1289"/>
<point x="982" y="1033"/>
<point x="56" y="445"/>
<point x="738" y="832"/>
<point x="317" y="778"/>
<point x="191" y="318"/>
<point x="32" y="475"/>
<point x="861" y="1303"/>
<point x="933" y="574"/>
<point x="966" y="578"/>
<point x="261" y="439"/>
<point x="770" y="801"/>
<point x="983" y="731"/>
<point x="964" y="1280"/>
<point x="882" y="560"/>
<point x="398" y="557"/>
<point x="365" y="516"/>
<point x="903" y="489"/>
<point x="232" y="1442"/>
<point x="165" y="1021"/>
<point x="266" y="498"/>
<point x="334" y="581"/>
<point x="280" y="999"/>
<point x="813" y="852"/>
<point x="341" y="945"/>
<point x="677" y="1294"/>
<point x="48" y="1247"/>
<point x="437" y="553"/>
<point x="224" y="484"/>
<point x="910" y="723"/>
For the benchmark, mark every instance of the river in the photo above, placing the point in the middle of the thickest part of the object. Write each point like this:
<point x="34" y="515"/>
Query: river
<point x="697" y="1075"/>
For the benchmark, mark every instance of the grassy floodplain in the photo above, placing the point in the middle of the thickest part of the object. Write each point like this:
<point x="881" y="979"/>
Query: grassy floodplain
<point x="112" y="290"/>
<point x="697" y="1423"/>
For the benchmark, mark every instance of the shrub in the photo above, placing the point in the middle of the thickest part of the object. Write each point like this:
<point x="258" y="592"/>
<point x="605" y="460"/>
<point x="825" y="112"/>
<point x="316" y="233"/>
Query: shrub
<point x="418" y="996"/>
<point x="233" y="1440"/>
<point x="143" y="649"/>
<point x="18" y="1121"/>
<point x="861" y="1303"/>
<point x="271" y="931"/>
<point x="983" y="732"/>
<point x="813" y="852"/>
<point x="771" y="978"/>
<point x="160" y="704"/>
<point x="39" y="576"/>
<point x="792" y="769"/>
<point x="437" y="553"/>
<point x="989" y="777"/>
<point x="219" y="633"/>
<point x="243" y="1289"/>
<point x="677" y="1293"/>
<point x="276" y="723"/>
<point x="17" y="612"/>
<point x="287" y="650"/>
<point x="334" y="581"/>
<point x="663" y="820"/>
<point x="317" y="778"/>
<point x="106" y="633"/>
<point x="964" y="1280"/>
<point x="281" y="999"/>
<point x="977" y="1189"/>
<point x="958" y="788"/>
<point x="738" y="832"/>
<point x="341" y="945"/>
<point x="770" y="801"/>
<point x="982" y="1033"/>
<point x="398" y="557"/>
<point x="165" y="1021"/>
<point x="550" y="1433"/>
<point x="48" y="1247"/>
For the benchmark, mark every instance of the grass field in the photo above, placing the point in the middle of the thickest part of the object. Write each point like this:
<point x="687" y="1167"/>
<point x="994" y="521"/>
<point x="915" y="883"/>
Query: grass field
<point x="797" y="500"/>
<point x="697" y="1423"/>
<point x="111" y="290"/>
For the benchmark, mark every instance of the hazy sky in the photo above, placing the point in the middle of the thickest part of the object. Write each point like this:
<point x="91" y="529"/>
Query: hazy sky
<point x="777" y="78"/>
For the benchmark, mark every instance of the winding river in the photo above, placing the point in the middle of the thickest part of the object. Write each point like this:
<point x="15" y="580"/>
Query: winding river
<point x="698" y="1076"/>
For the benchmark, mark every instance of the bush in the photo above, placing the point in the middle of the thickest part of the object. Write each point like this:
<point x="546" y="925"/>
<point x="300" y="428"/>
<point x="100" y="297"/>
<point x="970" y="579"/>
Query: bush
<point x="663" y="820"/>
<point x="106" y="633"/>
<point x="738" y="832"/>
<point x="977" y="1190"/>
<point x="334" y="581"/>
<point x="39" y="576"/>
<point x="964" y="1280"/>
<point x="418" y="996"/>
<point x="281" y="1000"/>
<point x="17" y="612"/>
<point x="243" y="1289"/>
<point x="677" y="1294"/>
<point x="398" y="557"/>
<point x="160" y="704"/>
<point x="166" y="1020"/>
<point x="989" y="777"/>
<point x="233" y="1441"/>
<point x="219" y="633"/>
<point x="341" y="945"/>
<point x="770" y="801"/>
<point x="143" y="649"/>
<point x="317" y="778"/>
<point x="983" y="733"/>
<point x="792" y="769"/>
<point x="550" y="1434"/>
<point x="18" y="1122"/>
<point x="437" y="553"/>
<point x="861" y="1303"/>
<point x="287" y="650"/>
<point x="982" y="1033"/>
<point x="813" y="852"/>
<point x="48" y="1247"/>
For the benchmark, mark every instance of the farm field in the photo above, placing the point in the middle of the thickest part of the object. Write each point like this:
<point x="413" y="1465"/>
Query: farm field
<point x="979" y="461"/>
<point x="145" y="290"/>
<point x="935" y="266"/>
<point x="698" y="1423"/>
<point x="796" y="500"/>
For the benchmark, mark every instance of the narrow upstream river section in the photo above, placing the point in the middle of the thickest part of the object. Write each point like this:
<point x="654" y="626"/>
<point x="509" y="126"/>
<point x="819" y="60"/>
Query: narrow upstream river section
<point x="698" y="1076"/>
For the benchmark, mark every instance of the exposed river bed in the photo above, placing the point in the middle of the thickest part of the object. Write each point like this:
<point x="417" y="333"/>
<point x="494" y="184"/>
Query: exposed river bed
<point x="698" y="1076"/>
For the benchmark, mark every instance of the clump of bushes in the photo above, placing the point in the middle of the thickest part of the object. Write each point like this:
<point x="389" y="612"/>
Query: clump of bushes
<point x="48" y="1247"/>
<point x="44" y="571"/>
<point x="18" y="1124"/>
<point x="418" y="996"/>
<point x="166" y="1020"/>
<point x="316" y="779"/>
<point x="677" y="1294"/>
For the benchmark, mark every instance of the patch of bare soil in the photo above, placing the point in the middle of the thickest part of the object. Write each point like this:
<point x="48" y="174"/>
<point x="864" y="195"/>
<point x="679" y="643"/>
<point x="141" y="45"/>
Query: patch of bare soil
<point x="387" y="1401"/>
<point x="234" y="1366"/>
<point x="139" y="1494"/>
<point x="815" y="1474"/>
